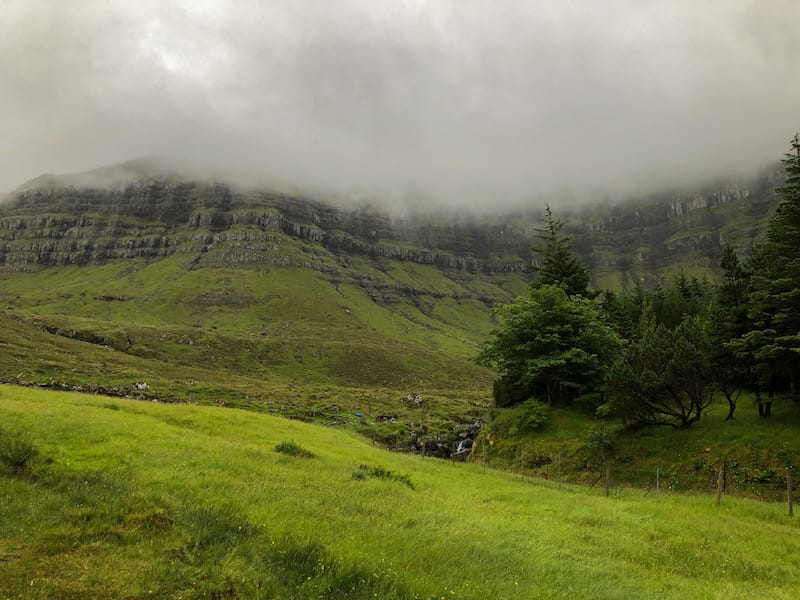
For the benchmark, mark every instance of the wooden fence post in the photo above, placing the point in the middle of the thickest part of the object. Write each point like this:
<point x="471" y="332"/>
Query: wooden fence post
<point x="789" y="490"/>
<point x="719" y="484"/>
<point x="608" y="477"/>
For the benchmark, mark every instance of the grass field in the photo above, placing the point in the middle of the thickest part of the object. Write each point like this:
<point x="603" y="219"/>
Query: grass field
<point x="140" y="499"/>
<point x="755" y="451"/>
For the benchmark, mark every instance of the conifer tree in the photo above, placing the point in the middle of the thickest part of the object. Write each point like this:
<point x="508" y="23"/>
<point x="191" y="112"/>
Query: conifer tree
<point x="559" y="265"/>
<point x="728" y="321"/>
<point x="774" y="297"/>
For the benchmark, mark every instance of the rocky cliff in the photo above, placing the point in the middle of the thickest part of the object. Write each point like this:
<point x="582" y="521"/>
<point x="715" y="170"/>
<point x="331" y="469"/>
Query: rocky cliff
<point x="58" y="225"/>
<point x="52" y="221"/>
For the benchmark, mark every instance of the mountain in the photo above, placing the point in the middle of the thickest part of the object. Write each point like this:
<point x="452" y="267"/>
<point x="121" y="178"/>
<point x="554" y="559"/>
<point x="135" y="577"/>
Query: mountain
<point x="134" y="281"/>
<point x="136" y="210"/>
<point x="643" y="239"/>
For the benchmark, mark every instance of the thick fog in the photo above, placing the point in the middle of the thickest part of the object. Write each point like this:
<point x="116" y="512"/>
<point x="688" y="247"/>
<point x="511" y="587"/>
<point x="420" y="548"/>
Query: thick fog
<point x="482" y="103"/>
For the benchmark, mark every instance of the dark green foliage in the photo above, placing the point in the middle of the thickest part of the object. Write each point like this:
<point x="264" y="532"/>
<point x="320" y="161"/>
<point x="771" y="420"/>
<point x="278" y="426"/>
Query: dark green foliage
<point x="680" y="297"/>
<point x="559" y="265"/>
<point x="727" y="322"/>
<point x="359" y="475"/>
<point x="381" y="472"/>
<point x="665" y="377"/>
<point x="293" y="449"/>
<point x="773" y="342"/>
<point x="508" y="391"/>
<point x="550" y="345"/>
<point x="670" y="301"/>
<point x="619" y="312"/>
<point x="734" y="283"/>
<point x="600" y="440"/>
<point x="521" y="419"/>
<point x="532" y="415"/>
<point x="16" y="451"/>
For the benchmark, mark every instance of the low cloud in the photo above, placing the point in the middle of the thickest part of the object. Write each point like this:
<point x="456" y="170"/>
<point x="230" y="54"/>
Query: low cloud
<point x="461" y="103"/>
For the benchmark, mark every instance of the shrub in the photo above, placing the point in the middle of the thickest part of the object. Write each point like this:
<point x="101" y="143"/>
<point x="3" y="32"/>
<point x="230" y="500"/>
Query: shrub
<point x="600" y="440"/>
<point x="382" y="473"/>
<point x="293" y="449"/>
<point x="532" y="414"/>
<point x="521" y="419"/>
<point x="16" y="451"/>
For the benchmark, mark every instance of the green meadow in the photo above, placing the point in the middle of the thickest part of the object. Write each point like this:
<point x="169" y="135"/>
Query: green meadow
<point x="137" y="499"/>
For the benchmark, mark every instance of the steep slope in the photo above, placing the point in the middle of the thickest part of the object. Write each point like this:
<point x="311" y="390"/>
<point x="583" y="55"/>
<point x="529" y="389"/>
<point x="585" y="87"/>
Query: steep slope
<point x="254" y="299"/>
<point x="642" y="239"/>
<point x="278" y="302"/>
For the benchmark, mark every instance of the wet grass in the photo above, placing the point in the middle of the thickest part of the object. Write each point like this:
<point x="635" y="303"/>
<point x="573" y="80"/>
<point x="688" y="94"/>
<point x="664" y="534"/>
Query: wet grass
<point x="140" y="499"/>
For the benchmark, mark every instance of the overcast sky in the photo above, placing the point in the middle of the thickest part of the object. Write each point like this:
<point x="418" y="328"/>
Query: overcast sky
<point x="458" y="101"/>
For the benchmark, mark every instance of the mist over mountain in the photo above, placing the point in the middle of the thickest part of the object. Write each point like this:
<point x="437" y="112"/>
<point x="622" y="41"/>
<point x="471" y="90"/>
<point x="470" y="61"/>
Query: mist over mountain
<point x="141" y="209"/>
<point x="410" y="103"/>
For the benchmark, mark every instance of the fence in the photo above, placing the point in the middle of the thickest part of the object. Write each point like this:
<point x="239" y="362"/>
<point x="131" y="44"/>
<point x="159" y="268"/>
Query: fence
<point x="613" y="476"/>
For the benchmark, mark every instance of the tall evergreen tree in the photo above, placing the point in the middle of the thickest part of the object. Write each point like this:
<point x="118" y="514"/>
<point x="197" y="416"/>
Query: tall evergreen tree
<point x="774" y="297"/>
<point x="559" y="265"/>
<point x="728" y="321"/>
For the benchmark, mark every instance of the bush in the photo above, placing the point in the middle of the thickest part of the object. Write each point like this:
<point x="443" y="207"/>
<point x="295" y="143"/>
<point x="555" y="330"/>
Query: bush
<point x="16" y="451"/>
<point x="532" y="414"/>
<point x="600" y="440"/>
<point x="521" y="419"/>
<point x="382" y="473"/>
<point x="293" y="449"/>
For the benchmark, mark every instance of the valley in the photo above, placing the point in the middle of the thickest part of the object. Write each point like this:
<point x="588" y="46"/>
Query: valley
<point x="163" y="342"/>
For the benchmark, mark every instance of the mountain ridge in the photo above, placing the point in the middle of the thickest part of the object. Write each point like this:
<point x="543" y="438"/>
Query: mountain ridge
<point x="52" y="220"/>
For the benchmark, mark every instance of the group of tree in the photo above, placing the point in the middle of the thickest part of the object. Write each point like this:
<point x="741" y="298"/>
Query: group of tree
<point x="658" y="355"/>
<point x="554" y="343"/>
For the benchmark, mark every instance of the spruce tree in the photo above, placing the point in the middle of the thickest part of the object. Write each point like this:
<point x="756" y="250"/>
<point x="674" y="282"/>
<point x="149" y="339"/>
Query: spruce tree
<point x="774" y="298"/>
<point x="559" y="265"/>
<point x="728" y="321"/>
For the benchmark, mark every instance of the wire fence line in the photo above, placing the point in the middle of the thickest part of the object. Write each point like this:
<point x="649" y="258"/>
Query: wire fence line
<point x="610" y="476"/>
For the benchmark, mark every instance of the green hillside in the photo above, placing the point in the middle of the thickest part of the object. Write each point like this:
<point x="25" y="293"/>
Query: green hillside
<point x="136" y="499"/>
<point x="180" y="291"/>
<point x="283" y="340"/>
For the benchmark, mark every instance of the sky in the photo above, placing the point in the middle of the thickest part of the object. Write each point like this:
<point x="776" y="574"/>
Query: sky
<point x="458" y="102"/>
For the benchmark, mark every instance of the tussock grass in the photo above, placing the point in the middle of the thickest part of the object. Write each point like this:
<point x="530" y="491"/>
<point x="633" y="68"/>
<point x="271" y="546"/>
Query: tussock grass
<point x="154" y="500"/>
<point x="16" y="451"/>
<point x="292" y="448"/>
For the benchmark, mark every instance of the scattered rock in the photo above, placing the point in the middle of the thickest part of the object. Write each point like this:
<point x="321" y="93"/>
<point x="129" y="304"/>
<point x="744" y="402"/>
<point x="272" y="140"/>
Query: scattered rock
<point x="415" y="399"/>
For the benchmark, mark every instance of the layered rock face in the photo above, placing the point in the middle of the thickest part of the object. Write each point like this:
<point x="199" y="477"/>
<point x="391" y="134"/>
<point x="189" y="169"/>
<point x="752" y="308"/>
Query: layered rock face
<point x="51" y="222"/>
<point x="54" y="226"/>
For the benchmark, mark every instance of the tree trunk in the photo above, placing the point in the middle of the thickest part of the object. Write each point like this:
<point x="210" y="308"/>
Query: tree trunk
<point x="731" y="403"/>
<point x="768" y="403"/>
<point x="760" y="401"/>
<point x="731" y="409"/>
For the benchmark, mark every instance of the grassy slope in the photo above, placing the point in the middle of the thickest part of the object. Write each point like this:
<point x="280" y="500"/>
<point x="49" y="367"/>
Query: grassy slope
<point x="278" y="304"/>
<point x="273" y="339"/>
<point x="142" y="500"/>
<point x="757" y="451"/>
